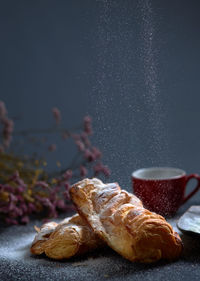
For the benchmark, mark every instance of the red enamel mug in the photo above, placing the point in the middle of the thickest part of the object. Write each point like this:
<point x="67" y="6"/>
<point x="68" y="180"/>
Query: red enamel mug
<point x="162" y="189"/>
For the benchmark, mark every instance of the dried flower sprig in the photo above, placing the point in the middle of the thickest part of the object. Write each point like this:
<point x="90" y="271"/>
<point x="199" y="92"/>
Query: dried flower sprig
<point x="7" y="127"/>
<point x="26" y="188"/>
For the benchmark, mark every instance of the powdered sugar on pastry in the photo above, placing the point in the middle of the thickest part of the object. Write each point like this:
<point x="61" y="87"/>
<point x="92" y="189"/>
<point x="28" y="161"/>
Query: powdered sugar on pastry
<point x="70" y="237"/>
<point x="119" y="218"/>
<point x="45" y="231"/>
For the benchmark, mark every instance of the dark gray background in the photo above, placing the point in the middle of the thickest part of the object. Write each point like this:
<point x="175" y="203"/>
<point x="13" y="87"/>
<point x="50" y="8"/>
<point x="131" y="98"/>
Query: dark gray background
<point x="134" y="67"/>
<point x="93" y="57"/>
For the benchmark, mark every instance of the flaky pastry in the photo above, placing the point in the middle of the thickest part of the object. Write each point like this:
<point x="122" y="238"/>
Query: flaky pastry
<point x="43" y="233"/>
<point x="69" y="238"/>
<point x="120" y="219"/>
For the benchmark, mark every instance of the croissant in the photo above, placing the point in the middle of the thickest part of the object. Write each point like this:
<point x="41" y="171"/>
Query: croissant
<point x="120" y="219"/>
<point x="61" y="241"/>
<point x="43" y="233"/>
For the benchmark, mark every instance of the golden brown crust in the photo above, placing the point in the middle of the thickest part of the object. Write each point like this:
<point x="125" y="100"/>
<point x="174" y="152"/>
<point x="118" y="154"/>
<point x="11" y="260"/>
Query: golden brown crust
<point x="43" y="233"/>
<point x="119" y="218"/>
<point x="70" y="237"/>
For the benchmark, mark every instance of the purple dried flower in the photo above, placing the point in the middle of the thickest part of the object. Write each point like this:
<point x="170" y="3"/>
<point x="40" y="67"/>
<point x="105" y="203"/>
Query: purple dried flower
<point x="18" y="203"/>
<point x="18" y="212"/>
<point x="6" y="187"/>
<point x="56" y="115"/>
<point x="20" y="189"/>
<point x="89" y="156"/>
<point x="66" y="195"/>
<point x="85" y="139"/>
<point x="47" y="203"/>
<point x="12" y="197"/>
<point x="53" y="213"/>
<point x="24" y="207"/>
<point x="80" y="145"/>
<point x="1" y="149"/>
<point x="106" y="171"/>
<point x="83" y="171"/>
<point x="42" y="184"/>
<point x="44" y="200"/>
<point x="14" y="176"/>
<point x="20" y="197"/>
<point x="25" y="219"/>
<point x="7" y="141"/>
<point x="97" y="169"/>
<point x="60" y="204"/>
<point x="88" y="125"/>
<point x="97" y="153"/>
<point x="4" y="209"/>
<point x="52" y="147"/>
<point x="52" y="196"/>
<point x="67" y="175"/>
<point x="67" y="186"/>
<point x="55" y="190"/>
<point x="70" y="207"/>
<point x="8" y="126"/>
<point x="11" y="221"/>
<point x="31" y="208"/>
<point x="100" y="168"/>
<point x="3" y="111"/>
<point x="46" y="220"/>
<point x="11" y="206"/>
<point x="7" y="131"/>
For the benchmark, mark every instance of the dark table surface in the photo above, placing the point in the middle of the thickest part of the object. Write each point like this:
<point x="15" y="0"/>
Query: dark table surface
<point x="16" y="262"/>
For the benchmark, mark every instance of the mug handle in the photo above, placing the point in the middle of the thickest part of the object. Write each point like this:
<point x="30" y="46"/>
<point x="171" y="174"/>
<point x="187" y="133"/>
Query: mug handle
<point x="188" y="178"/>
